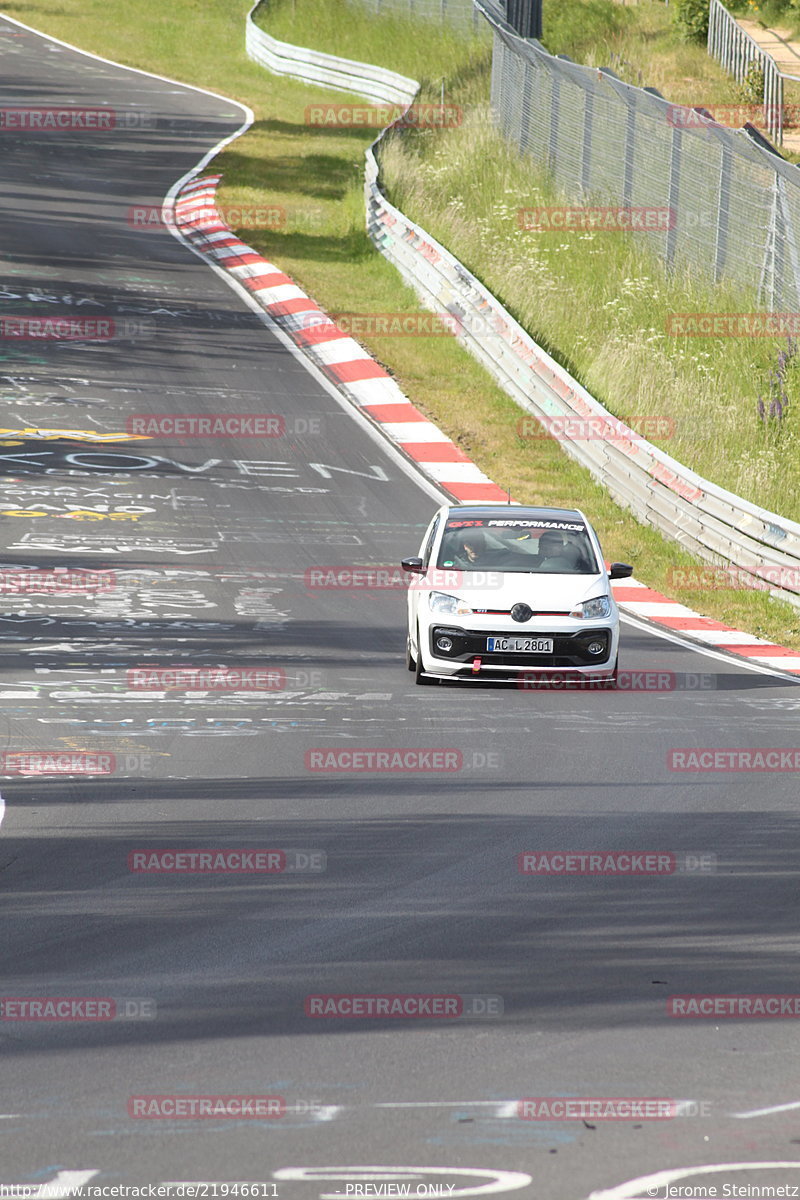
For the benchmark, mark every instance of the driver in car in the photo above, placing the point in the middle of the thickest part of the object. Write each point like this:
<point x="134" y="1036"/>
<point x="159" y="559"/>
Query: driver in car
<point x="478" y="552"/>
<point x="555" y="554"/>
<point x="474" y="551"/>
<point x="472" y="547"/>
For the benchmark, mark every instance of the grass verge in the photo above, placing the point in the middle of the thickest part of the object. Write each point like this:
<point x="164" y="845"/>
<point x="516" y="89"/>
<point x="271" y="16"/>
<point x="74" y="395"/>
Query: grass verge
<point x="315" y="174"/>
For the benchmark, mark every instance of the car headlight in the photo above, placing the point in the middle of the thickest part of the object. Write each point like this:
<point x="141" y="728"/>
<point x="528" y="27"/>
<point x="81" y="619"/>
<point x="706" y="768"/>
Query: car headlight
<point x="449" y="606"/>
<point x="591" y="609"/>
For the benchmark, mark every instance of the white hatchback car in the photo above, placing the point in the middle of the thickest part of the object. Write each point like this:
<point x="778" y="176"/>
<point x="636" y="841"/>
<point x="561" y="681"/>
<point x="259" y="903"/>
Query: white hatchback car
<point x="508" y="592"/>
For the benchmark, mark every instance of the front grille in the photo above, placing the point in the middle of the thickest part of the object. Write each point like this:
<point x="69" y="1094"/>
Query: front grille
<point x="569" y="649"/>
<point x="506" y="612"/>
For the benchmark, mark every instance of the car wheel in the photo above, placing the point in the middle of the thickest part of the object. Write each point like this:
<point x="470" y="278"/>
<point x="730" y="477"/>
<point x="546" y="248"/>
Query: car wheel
<point x="419" y="678"/>
<point x="410" y="663"/>
<point x="612" y="682"/>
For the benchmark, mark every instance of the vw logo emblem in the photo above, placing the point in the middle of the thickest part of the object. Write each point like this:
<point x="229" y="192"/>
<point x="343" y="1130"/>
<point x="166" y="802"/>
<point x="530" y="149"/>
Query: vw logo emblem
<point x="521" y="612"/>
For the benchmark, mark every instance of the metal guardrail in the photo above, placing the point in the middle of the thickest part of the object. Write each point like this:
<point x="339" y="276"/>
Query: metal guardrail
<point x="707" y="520"/>
<point x="312" y="66"/>
<point x="711" y="522"/>
<point x="736" y="51"/>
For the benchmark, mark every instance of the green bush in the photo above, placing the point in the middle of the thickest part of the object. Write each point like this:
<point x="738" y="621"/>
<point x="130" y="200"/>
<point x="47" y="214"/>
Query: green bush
<point x="691" y="19"/>
<point x="751" y="89"/>
<point x="581" y="27"/>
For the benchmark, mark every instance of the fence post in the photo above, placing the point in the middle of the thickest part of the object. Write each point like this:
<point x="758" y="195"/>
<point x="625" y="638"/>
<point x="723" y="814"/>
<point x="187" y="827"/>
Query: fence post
<point x="586" y="156"/>
<point x="674" y="193"/>
<point x="552" y="155"/>
<point x="723" y="211"/>
<point x="766" y="283"/>
<point x="788" y="243"/>
<point x="525" y="110"/>
<point x="620" y="91"/>
<point x="630" y="148"/>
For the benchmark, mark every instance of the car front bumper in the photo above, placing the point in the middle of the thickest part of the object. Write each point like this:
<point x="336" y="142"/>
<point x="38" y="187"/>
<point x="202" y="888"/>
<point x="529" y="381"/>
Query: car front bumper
<point x="468" y="657"/>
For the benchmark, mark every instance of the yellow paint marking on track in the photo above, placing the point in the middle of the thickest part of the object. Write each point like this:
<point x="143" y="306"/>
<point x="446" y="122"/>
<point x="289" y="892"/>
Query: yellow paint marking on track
<point x="75" y="435"/>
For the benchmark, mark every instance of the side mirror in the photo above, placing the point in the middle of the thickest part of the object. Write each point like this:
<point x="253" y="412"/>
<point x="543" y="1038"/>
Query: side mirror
<point x="415" y="567"/>
<point x="620" y="571"/>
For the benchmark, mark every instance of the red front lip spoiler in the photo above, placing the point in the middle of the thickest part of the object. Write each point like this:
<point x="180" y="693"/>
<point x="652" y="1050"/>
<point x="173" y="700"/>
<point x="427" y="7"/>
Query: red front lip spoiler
<point x="564" y="679"/>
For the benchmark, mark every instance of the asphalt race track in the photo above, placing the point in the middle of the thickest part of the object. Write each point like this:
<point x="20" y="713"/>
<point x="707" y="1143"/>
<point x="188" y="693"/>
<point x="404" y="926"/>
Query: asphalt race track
<point x="405" y="881"/>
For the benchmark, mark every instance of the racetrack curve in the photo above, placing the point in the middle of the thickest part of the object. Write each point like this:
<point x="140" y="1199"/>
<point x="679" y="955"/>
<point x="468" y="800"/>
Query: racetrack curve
<point x="210" y="540"/>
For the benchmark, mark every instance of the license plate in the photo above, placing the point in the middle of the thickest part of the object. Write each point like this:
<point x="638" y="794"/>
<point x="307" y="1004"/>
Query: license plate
<point x="519" y="645"/>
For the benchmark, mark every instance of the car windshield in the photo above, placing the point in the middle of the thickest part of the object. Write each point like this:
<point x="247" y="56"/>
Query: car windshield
<point x="518" y="545"/>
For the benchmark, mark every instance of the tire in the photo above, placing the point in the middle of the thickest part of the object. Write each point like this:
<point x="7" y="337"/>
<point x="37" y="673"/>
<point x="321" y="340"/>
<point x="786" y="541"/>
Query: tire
<point x="410" y="662"/>
<point x="612" y="682"/>
<point x="419" y="679"/>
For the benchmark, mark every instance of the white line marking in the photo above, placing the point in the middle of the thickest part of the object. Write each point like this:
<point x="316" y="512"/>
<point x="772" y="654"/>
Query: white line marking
<point x="441" y="1103"/>
<point x="509" y="1109"/>
<point x="324" y="1112"/>
<point x="669" y="635"/>
<point x="65" y="1183"/>
<point x="765" y="1112"/>
<point x="496" y="1181"/>
<point x="651" y="1183"/>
